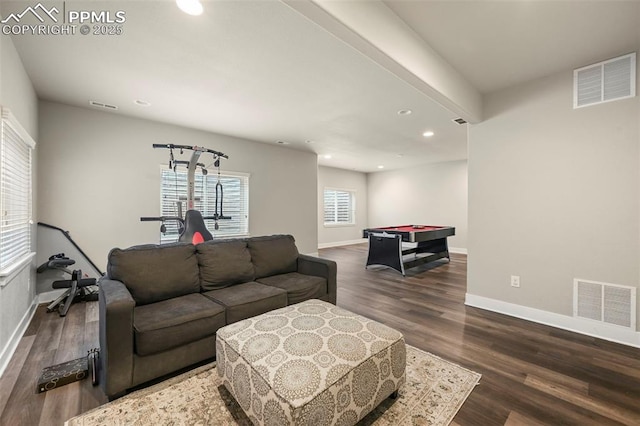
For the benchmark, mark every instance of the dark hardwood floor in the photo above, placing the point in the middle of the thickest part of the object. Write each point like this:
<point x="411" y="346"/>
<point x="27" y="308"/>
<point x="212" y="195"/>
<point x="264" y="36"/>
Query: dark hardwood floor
<point x="531" y="374"/>
<point x="50" y="339"/>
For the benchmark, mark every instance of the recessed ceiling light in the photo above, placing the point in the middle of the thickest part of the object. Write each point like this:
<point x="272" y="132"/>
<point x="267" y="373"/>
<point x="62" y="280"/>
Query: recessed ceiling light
<point x="140" y="102"/>
<point x="404" y="112"/>
<point x="428" y="134"/>
<point x="282" y="142"/>
<point x="327" y="157"/>
<point x="191" y="7"/>
<point x="381" y="166"/>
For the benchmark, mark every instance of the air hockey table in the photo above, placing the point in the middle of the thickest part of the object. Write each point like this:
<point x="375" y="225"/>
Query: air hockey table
<point x="386" y="245"/>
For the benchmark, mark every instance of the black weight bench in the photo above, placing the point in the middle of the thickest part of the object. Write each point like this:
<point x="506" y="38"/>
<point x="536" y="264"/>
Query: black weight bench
<point x="77" y="286"/>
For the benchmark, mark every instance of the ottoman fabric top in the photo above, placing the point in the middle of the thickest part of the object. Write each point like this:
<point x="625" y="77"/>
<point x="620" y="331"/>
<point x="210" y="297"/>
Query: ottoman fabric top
<point x="303" y="349"/>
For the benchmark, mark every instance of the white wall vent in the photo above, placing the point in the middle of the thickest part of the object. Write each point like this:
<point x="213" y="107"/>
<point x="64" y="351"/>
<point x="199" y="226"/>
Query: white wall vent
<point x="609" y="303"/>
<point x="102" y="105"/>
<point x="605" y="81"/>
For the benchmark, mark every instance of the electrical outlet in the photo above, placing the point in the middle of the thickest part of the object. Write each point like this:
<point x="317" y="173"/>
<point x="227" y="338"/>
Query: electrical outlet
<point x="515" y="281"/>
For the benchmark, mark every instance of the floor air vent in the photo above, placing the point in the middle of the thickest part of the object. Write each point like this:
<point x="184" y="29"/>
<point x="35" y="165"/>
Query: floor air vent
<point x="605" y="81"/>
<point x="609" y="303"/>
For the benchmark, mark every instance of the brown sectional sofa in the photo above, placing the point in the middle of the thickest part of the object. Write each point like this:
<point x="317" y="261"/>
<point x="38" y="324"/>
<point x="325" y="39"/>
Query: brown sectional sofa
<point x="160" y="306"/>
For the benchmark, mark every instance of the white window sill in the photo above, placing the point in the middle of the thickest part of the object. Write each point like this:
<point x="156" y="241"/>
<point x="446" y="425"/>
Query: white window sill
<point x="7" y="274"/>
<point x="339" y="225"/>
<point x="222" y="237"/>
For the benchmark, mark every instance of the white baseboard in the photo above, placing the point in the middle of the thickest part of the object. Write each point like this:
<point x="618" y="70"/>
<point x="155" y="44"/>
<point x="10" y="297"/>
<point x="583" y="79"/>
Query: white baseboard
<point x="457" y="250"/>
<point x="14" y="340"/>
<point x="578" y="325"/>
<point x="342" y="243"/>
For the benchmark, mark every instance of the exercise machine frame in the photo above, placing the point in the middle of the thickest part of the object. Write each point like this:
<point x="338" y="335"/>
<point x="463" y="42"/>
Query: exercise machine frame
<point x="76" y="286"/>
<point x="192" y="165"/>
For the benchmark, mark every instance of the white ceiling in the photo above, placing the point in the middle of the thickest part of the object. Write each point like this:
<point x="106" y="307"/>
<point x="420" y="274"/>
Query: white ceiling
<point x="497" y="44"/>
<point x="262" y="71"/>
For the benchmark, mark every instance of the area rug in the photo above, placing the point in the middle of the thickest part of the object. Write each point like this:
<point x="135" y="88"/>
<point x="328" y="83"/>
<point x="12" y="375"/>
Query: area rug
<point x="434" y="392"/>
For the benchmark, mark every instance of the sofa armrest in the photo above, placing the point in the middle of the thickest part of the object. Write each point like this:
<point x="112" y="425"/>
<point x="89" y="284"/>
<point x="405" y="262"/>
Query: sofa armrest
<point x="116" y="337"/>
<point x="325" y="268"/>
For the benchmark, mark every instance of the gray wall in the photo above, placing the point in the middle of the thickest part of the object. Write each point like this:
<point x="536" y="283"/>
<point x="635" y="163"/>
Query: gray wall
<point x="433" y="194"/>
<point x="98" y="174"/>
<point x="553" y="195"/>
<point x="329" y="177"/>
<point x="18" y="295"/>
<point x="16" y="90"/>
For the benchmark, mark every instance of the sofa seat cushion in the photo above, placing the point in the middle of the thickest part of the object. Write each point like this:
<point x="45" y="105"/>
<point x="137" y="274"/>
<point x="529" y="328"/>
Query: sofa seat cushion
<point x="274" y="254"/>
<point x="224" y="263"/>
<point x="175" y="322"/>
<point x="153" y="273"/>
<point x="246" y="300"/>
<point x="299" y="287"/>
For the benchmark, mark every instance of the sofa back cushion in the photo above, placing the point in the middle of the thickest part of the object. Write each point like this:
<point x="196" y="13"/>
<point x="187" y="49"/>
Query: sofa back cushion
<point x="224" y="263"/>
<point x="272" y="255"/>
<point x="153" y="273"/>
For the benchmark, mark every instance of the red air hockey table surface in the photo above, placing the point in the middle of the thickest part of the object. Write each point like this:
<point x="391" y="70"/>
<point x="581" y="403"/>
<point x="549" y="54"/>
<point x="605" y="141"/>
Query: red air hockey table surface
<point x="385" y="245"/>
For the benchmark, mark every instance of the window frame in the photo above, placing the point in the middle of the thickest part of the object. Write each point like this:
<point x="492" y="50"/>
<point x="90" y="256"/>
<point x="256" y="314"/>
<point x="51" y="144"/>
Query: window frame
<point x="14" y="264"/>
<point x="352" y="208"/>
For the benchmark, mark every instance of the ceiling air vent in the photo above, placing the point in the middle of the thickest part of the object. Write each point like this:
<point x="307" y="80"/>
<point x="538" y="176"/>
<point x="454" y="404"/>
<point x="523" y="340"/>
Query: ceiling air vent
<point x="103" y="105"/>
<point x="605" y="81"/>
<point x="608" y="303"/>
<point x="459" y="121"/>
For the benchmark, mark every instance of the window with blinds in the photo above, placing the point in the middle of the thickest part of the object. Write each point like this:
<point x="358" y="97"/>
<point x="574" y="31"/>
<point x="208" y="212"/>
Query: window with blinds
<point x="15" y="191"/>
<point x="339" y="207"/>
<point x="173" y="200"/>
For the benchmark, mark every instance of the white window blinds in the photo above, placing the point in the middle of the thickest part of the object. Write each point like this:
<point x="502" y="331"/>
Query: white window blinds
<point x="16" y="190"/>
<point x="235" y="201"/>
<point x="339" y="207"/>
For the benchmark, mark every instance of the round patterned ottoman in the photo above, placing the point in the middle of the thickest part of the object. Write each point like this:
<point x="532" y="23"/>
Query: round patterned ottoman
<point x="310" y="364"/>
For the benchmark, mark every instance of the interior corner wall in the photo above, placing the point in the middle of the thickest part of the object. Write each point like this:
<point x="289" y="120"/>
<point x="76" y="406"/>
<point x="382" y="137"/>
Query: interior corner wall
<point x="553" y="195"/>
<point x="98" y="174"/>
<point x="432" y="194"/>
<point x="16" y="90"/>
<point x="329" y="177"/>
<point x="17" y="297"/>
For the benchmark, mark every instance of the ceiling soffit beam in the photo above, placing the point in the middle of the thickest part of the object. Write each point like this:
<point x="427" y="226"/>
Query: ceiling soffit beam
<point x="376" y="31"/>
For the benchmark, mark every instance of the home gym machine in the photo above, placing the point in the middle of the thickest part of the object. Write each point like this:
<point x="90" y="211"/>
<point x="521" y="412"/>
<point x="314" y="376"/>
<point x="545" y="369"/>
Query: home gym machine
<point x="192" y="227"/>
<point x="76" y="286"/>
